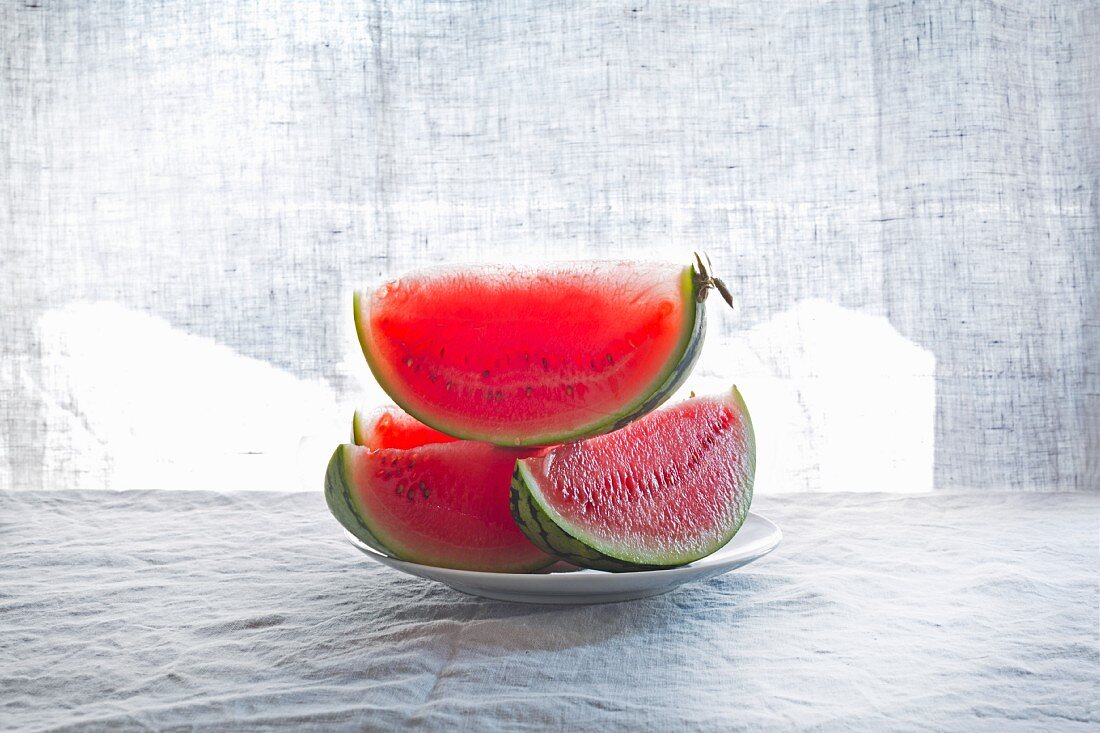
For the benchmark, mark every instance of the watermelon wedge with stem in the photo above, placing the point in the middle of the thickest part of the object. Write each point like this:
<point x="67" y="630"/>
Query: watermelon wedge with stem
<point x="416" y="495"/>
<point x="525" y="357"/>
<point x="666" y="490"/>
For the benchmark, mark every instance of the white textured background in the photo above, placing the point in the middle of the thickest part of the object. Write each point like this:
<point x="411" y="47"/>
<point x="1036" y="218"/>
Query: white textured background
<point x="902" y="195"/>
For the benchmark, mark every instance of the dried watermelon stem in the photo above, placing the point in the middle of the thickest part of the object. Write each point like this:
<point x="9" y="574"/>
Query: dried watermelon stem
<point x="704" y="281"/>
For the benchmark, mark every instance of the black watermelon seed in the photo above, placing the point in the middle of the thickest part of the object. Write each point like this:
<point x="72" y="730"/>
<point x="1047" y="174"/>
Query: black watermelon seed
<point x="485" y="374"/>
<point x="424" y="489"/>
<point x="569" y="389"/>
<point x="409" y="495"/>
<point x="400" y="487"/>
<point x="546" y="365"/>
<point x="610" y="360"/>
<point x="527" y="391"/>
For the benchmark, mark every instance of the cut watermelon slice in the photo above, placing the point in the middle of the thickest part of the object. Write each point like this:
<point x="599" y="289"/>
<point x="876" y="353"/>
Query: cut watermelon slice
<point x="667" y="490"/>
<point x="423" y="497"/>
<point x="523" y="357"/>
<point x="389" y="427"/>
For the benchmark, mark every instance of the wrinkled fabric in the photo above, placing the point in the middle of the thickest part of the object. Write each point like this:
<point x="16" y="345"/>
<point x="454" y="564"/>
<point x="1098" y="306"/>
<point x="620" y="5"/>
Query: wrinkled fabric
<point x="248" y="611"/>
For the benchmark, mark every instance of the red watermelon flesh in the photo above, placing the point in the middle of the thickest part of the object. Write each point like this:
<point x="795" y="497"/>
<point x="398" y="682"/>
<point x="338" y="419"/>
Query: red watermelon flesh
<point x="389" y="427"/>
<point x="518" y="356"/>
<point x="666" y="490"/>
<point x="437" y="503"/>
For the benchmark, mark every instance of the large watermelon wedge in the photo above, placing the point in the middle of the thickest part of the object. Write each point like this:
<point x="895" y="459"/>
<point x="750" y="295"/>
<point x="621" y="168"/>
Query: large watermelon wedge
<point x="669" y="489"/>
<point x="435" y="503"/>
<point x="523" y="357"/>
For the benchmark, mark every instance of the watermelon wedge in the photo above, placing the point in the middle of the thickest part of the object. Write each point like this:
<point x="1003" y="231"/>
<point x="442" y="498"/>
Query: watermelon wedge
<point x="667" y="490"/>
<point x="389" y="427"/>
<point x="525" y="357"/>
<point x="442" y="503"/>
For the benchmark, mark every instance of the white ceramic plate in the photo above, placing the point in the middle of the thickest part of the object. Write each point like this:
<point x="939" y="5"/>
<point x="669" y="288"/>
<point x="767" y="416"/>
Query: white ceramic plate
<point x="565" y="584"/>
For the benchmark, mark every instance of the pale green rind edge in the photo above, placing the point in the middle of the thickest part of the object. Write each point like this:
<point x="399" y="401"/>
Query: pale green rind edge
<point x="555" y="534"/>
<point x="666" y="383"/>
<point x="356" y="438"/>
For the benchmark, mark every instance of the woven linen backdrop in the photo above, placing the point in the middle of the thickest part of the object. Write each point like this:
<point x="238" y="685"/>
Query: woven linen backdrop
<point x="903" y="197"/>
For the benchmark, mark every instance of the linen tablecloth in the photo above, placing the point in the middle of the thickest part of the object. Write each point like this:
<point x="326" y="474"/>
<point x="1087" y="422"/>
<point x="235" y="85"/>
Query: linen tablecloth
<point x="199" y="610"/>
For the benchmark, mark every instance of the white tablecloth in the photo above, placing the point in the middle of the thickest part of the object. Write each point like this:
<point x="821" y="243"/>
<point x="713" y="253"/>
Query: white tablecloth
<point x="199" y="610"/>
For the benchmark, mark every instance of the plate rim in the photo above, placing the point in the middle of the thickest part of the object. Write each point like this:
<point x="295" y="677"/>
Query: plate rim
<point x="754" y="551"/>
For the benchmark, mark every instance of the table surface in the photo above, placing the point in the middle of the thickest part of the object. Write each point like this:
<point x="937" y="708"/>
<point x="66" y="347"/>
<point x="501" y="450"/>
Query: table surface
<point x="248" y="611"/>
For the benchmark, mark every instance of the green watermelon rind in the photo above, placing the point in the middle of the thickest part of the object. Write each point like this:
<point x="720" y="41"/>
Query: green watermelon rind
<point x="343" y="505"/>
<point x="341" y="502"/>
<point x="357" y="436"/>
<point x="552" y="533"/>
<point x="671" y="378"/>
